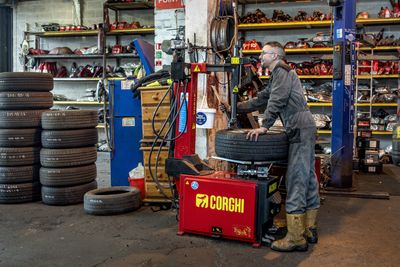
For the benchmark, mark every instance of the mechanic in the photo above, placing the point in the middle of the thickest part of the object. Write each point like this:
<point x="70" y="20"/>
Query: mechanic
<point x="283" y="97"/>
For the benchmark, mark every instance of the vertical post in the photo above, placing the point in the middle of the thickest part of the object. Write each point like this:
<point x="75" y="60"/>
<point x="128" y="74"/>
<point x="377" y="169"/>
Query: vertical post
<point x="343" y="94"/>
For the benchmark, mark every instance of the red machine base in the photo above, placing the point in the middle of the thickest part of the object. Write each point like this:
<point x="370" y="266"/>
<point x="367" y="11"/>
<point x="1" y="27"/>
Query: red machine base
<point x="224" y="206"/>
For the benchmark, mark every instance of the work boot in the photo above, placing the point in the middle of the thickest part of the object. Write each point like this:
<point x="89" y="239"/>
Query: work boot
<point x="311" y="233"/>
<point x="294" y="239"/>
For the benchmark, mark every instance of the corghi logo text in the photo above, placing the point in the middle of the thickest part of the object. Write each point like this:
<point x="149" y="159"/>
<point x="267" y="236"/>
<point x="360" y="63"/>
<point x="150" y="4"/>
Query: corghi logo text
<point x="222" y="203"/>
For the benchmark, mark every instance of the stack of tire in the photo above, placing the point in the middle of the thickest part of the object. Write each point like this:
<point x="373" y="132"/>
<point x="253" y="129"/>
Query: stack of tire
<point x="68" y="155"/>
<point x="23" y="98"/>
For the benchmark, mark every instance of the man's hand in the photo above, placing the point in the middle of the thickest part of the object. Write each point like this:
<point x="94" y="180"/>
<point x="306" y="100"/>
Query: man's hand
<point x="256" y="133"/>
<point x="224" y="107"/>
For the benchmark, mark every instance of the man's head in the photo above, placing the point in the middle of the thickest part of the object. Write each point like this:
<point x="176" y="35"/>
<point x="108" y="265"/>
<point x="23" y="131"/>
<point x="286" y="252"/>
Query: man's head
<point x="272" y="51"/>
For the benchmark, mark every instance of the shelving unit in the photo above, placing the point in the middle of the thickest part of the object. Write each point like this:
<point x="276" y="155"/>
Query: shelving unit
<point x="117" y="8"/>
<point x="301" y="28"/>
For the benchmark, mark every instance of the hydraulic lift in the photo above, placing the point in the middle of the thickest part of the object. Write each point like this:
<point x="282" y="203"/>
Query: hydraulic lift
<point x="344" y="35"/>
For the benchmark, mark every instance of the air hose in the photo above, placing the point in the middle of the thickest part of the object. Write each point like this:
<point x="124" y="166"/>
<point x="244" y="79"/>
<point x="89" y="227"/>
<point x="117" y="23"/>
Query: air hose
<point x="178" y="106"/>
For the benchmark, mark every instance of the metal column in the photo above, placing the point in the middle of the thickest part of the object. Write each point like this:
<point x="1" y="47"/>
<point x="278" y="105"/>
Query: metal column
<point x="343" y="93"/>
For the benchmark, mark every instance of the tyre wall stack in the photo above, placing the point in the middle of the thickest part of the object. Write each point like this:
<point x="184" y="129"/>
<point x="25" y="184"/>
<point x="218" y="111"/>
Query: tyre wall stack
<point x="23" y="99"/>
<point x="68" y="155"/>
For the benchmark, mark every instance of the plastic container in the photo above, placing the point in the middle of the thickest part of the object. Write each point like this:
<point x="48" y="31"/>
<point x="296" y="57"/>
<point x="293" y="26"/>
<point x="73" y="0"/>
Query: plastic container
<point x="205" y="115"/>
<point x="136" y="179"/>
<point x="205" y="118"/>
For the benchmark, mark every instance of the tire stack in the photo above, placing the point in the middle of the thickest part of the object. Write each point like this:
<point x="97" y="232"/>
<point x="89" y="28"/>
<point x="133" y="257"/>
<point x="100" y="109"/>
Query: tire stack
<point x="68" y="156"/>
<point x="23" y="98"/>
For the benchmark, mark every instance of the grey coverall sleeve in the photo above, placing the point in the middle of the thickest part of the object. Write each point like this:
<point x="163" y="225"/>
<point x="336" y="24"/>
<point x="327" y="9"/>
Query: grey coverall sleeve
<point x="280" y="91"/>
<point x="260" y="101"/>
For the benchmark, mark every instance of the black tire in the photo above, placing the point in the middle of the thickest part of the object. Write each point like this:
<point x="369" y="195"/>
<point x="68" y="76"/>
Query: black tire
<point x="15" y="175"/>
<point x="113" y="200"/>
<point x="69" y="119"/>
<point x="70" y="157"/>
<point x="19" y="137"/>
<point x="69" y="138"/>
<point x="19" y="156"/>
<point x="232" y="144"/>
<point x="19" y="193"/>
<point x="26" y="81"/>
<point x="60" y="196"/>
<point x="25" y="100"/>
<point x="68" y="176"/>
<point x="12" y="119"/>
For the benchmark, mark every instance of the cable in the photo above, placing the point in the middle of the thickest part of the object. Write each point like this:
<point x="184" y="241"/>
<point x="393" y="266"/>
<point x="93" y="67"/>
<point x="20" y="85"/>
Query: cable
<point x="174" y="112"/>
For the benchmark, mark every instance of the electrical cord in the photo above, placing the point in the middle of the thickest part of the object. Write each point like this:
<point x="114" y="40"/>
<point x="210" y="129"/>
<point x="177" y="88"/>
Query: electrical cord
<point x="174" y="112"/>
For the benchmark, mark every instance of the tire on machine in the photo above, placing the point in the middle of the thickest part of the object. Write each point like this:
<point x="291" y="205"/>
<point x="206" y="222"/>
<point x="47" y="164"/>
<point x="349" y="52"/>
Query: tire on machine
<point x="232" y="144"/>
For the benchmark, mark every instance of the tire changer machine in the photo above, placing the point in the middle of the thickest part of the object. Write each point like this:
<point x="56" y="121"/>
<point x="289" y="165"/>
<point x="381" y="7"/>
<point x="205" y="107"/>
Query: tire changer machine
<point x="238" y="206"/>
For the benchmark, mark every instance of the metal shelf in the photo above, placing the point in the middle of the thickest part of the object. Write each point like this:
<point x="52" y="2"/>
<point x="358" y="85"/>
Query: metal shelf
<point x="78" y="103"/>
<point x="324" y="131"/>
<point x="87" y="79"/>
<point x="379" y="48"/>
<point x="373" y="132"/>
<point x="311" y="24"/>
<point x="306" y="77"/>
<point x="323" y="50"/>
<point x="377" y="104"/>
<point x="140" y="31"/>
<point x="329" y="104"/>
<point x="284" y="25"/>
<point x="378" y="21"/>
<point x="378" y="76"/>
<point x="76" y="79"/>
<point x="130" y="5"/>
<point x="126" y="55"/>
<point x="68" y="34"/>
<point x="317" y="104"/>
<point x="72" y="56"/>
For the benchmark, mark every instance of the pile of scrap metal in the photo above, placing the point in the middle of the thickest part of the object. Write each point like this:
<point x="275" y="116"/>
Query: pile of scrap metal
<point x="279" y="16"/>
<point x="318" y="93"/>
<point x="386" y="123"/>
<point x="384" y="94"/>
<point x="322" y="121"/>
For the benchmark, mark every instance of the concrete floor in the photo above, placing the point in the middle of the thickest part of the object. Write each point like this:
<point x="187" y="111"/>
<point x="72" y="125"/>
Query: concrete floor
<point x="353" y="232"/>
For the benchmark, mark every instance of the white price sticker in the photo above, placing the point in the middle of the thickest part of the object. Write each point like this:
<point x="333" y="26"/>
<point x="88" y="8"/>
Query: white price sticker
<point x="126" y="84"/>
<point x="128" y="122"/>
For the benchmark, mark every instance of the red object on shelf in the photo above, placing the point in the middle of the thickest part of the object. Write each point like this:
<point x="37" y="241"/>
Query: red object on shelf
<point x="116" y="49"/>
<point x="251" y="45"/>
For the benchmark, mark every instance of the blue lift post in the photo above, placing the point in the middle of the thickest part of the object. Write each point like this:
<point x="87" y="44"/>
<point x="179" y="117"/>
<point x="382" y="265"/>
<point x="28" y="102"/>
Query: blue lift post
<point x="343" y="93"/>
<point x="126" y="131"/>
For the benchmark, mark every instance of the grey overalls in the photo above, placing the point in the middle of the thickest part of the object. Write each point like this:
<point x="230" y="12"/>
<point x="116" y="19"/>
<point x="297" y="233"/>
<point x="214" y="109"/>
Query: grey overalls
<point x="284" y="98"/>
